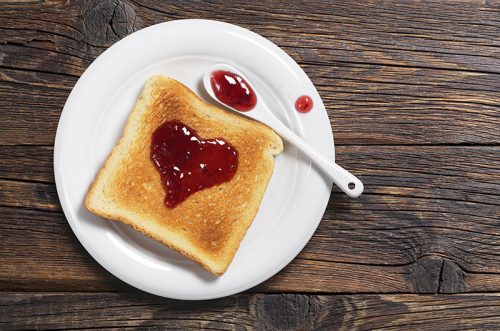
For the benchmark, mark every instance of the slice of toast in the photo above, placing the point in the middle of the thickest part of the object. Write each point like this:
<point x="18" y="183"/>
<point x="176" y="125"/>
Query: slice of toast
<point x="209" y="225"/>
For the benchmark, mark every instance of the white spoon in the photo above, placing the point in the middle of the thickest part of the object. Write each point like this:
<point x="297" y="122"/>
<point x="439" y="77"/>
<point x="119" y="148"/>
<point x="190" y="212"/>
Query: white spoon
<point x="346" y="181"/>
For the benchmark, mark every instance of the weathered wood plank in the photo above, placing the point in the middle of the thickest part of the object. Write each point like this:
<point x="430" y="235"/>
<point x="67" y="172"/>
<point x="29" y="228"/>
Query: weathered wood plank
<point x="430" y="78"/>
<point x="431" y="34"/>
<point x="39" y="251"/>
<point x="30" y="163"/>
<point x="366" y="105"/>
<point x="427" y="223"/>
<point x="460" y="173"/>
<point x="250" y="312"/>
<point x="29" y="195"/>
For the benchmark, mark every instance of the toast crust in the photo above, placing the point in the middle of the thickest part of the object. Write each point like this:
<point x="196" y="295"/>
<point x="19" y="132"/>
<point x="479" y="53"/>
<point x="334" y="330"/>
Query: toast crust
<point x="209" y="225"/>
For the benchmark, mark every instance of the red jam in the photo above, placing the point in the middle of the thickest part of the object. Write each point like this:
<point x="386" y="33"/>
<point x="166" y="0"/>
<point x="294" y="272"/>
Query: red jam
<point x="304" y="104"/>
<point x="188" y="164"/>
<point x="232" y="90"/>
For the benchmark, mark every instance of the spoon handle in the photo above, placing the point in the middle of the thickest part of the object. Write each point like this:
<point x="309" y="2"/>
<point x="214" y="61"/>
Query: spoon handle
<point x="346" y="181"/>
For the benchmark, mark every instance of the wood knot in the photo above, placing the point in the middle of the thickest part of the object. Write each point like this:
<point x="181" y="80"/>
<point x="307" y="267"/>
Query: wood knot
<point x="452" y="278"/>
<point x="283" y="312"/>
<point x="426" y="273"/>
<point x="107" y="21"/>
<point x="436" y="274"/>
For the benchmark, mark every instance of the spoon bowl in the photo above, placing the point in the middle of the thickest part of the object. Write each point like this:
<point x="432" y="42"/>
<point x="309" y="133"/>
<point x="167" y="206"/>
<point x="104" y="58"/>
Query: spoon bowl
<point x="258" y="112"/>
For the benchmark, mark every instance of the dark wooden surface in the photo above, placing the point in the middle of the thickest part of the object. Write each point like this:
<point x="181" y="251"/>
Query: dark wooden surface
<point x="412" y="89"/>
<point x="259" y="311"/>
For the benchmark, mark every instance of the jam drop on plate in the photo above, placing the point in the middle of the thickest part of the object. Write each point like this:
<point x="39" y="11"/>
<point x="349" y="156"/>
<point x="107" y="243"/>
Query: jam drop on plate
<point x="232" y="90"/>
<point x="304" y="104"/>
<point x="187" y="163"/>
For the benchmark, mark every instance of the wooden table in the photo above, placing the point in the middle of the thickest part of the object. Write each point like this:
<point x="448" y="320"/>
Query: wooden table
<point x="413" y="93"/>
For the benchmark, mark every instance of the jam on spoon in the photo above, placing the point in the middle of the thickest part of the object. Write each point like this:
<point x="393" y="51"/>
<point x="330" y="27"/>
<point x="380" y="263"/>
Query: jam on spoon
<point x="231" y="89"/>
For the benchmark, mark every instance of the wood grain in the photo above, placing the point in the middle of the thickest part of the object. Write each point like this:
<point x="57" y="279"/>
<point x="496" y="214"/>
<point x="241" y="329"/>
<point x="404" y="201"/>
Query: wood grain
<point x="431" y="78"/>
<point x="427" y="223"/>
<point x="411" y="89"/>
<point x="250" y="312"/>
<point x="28" y="163"/>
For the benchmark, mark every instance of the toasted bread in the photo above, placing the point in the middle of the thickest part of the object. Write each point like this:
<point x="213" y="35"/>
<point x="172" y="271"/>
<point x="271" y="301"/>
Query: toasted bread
<point x="209" y="225"/>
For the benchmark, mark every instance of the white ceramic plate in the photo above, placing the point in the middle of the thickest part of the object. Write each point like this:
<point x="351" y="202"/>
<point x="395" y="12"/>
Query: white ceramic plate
<point x="95" y="115"/>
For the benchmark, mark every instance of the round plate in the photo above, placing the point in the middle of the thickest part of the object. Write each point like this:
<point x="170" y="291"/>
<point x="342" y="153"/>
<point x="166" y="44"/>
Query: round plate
<point x="93" y="120"/>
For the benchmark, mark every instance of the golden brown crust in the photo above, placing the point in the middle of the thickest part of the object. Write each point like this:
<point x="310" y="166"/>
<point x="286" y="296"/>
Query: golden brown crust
<point x="208" y="226"/>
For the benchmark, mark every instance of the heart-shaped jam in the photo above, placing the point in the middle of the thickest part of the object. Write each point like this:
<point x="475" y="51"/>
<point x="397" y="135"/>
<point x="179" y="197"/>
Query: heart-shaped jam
<point x="188" y="164"/>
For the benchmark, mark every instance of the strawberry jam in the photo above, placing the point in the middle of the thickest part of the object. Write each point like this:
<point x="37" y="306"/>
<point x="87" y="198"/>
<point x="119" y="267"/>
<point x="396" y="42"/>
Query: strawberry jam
<point x="187" y="163"/>
<point x="304" y="104"/>
<point x="232" y="90"/>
